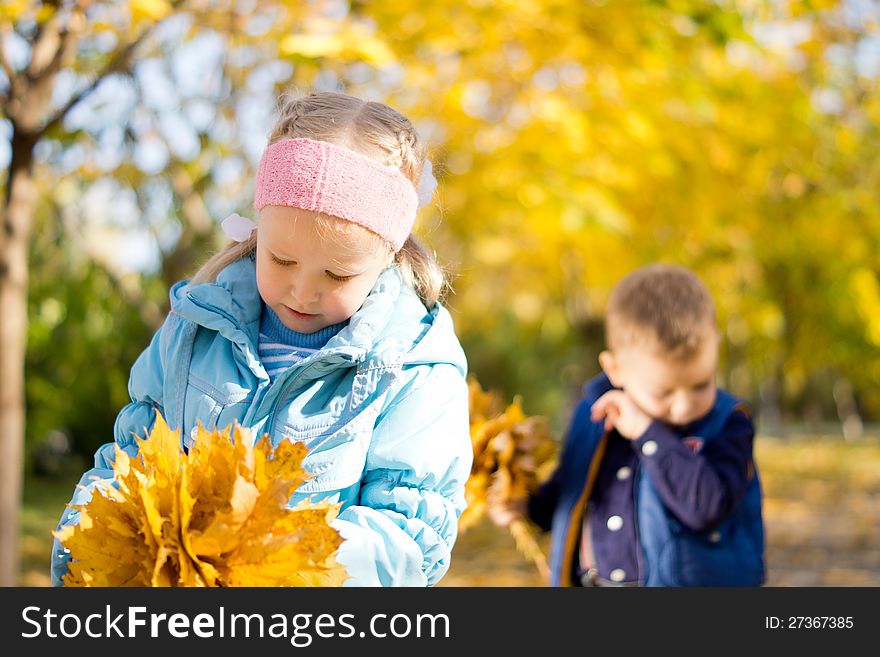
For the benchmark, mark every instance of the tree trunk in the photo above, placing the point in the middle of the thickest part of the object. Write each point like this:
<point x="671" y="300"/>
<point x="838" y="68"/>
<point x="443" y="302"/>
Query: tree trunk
<point x="847" y="409"/>
<point x="16" y="216"/>
<point x="770" y="403"/>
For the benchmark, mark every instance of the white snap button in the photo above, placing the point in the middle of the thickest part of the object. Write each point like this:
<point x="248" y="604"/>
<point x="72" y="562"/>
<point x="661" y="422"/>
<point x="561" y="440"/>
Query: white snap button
<point x="649" y="448"/>
<point x="617" y="575"/>
<point x="190" y="440"/>
<point x="614" y="523"/>
<point x="624" y="473"/>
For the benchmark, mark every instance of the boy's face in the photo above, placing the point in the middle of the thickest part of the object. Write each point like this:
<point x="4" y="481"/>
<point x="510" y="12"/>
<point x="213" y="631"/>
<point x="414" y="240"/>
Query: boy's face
<point x="308" y="278"/>
<point x="675" y="392"/>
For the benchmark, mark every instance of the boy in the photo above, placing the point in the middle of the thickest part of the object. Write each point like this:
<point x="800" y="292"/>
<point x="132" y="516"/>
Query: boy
<point x="656" y="485"/>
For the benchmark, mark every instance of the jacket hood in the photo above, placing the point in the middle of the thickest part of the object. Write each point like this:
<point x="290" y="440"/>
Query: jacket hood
<point x="392" y="327"/>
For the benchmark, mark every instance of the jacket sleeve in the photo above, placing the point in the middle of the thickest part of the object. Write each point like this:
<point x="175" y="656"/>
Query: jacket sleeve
<point x="700" y="488"/>
<point x="542" y="503"/>
<point x="145" y="386"/>
<point x="402" y="531"/>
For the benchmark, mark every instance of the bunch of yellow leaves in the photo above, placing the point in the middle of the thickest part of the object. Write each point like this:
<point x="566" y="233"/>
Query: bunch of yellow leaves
<point x="217" y="516"/>
<point x="513" y="453"/>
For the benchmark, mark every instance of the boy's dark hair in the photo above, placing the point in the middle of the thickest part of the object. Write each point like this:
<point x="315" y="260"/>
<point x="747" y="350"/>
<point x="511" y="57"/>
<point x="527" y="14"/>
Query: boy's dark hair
<point x="662" y="304"/>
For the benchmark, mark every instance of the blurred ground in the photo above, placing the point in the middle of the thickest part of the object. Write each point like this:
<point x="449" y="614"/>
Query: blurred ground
<point x="822" y="514"/>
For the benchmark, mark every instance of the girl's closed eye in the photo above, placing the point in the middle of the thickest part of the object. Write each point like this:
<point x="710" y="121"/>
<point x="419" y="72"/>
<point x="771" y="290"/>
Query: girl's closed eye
<point x="340" y="278"/>
<point x="283" y="263"/>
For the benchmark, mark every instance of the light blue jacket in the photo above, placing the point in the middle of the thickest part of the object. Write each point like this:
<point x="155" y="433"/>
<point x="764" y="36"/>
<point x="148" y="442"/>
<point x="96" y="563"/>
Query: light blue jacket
<point x="382" y="408"/>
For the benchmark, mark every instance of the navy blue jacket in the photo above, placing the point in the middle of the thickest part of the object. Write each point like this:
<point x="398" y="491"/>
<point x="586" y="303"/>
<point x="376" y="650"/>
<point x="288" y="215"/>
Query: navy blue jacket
<point x="676" y="507"/>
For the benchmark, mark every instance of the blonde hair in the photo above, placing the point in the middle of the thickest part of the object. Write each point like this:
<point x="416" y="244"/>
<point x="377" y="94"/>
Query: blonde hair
<point x="372" y="129"/>
<point x="659" y="305"/>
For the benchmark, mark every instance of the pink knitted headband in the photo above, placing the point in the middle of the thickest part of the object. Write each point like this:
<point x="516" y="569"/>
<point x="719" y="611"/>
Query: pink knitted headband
<point x="322" y="177"/>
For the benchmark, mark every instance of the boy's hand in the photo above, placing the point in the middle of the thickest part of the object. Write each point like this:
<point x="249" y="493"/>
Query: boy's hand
<point x="621" y="413"/>
<point x="504" y="513"/>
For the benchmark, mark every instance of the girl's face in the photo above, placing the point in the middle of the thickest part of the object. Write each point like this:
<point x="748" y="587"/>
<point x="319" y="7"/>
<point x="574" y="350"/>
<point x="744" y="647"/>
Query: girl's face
<point x="313" y="277"/>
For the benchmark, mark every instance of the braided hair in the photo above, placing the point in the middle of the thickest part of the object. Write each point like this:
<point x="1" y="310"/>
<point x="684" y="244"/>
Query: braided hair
<point x="372" y="129"/>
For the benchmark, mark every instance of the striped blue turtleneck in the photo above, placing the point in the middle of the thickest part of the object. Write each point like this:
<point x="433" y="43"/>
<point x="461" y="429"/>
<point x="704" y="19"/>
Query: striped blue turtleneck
<point x="281" y="347"/>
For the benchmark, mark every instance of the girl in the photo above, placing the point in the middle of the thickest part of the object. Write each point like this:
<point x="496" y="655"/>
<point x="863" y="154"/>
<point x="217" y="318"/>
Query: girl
<point x="321" y="323"/>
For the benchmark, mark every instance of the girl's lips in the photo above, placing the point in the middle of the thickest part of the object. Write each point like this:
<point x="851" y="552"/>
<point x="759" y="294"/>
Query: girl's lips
<point x="298" y="314"/>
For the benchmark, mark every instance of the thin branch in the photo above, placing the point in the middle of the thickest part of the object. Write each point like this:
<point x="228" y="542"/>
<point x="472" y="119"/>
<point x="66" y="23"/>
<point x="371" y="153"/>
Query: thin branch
<point x="119" y="63"/>
<point x="38" y="69"/>
<point x="44" y="36"/>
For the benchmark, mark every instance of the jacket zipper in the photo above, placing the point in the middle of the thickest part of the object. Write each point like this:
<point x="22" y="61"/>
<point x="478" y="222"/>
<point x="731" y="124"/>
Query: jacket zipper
<point x="270" y="420"/>
<point x="286" y="386"/>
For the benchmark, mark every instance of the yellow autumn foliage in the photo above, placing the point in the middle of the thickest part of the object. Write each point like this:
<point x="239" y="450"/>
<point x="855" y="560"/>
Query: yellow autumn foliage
<point x="513" y="453"/>
<point x="216" y="516"/>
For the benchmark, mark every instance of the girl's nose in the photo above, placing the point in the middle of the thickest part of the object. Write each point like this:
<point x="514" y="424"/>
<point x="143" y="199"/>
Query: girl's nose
<point x="305" y="291"/>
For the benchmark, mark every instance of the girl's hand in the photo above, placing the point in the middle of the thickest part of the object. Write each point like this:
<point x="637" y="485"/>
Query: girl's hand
<point x="621" y="413"/>
<point x="504" y="513"/>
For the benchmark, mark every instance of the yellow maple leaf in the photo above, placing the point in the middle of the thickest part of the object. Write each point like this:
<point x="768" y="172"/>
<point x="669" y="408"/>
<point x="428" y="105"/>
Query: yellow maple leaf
<point x="217" y="516"/>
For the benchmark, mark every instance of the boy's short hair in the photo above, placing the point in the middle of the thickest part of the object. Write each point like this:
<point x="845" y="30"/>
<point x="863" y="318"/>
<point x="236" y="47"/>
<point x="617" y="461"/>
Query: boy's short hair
<point x="662" y="306"/>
